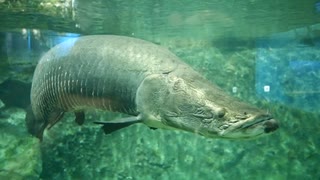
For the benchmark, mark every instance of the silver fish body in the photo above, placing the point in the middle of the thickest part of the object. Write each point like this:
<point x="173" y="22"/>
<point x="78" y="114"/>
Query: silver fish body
<point x="138" y="78"/>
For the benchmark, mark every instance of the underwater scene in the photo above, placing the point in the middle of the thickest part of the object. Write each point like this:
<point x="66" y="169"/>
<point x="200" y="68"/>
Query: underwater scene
<point x="148" y="89"/>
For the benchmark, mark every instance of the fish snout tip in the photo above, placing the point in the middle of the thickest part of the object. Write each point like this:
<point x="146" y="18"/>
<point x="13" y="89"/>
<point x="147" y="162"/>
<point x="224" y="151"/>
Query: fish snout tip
<point x="271" y="125"/>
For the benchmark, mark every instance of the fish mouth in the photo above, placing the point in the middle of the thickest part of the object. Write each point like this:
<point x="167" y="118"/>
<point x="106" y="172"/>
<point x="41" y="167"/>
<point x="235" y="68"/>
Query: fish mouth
<point x="266" y="121"/>
<point x="252" y="127"/>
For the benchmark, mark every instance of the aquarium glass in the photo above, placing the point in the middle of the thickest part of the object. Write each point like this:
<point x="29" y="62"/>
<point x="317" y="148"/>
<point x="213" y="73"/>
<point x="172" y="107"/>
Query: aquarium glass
<point x="265" y="53"/>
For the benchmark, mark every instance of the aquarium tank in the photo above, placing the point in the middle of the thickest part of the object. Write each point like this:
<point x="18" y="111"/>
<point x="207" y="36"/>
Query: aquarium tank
<point x="265" y="53"/>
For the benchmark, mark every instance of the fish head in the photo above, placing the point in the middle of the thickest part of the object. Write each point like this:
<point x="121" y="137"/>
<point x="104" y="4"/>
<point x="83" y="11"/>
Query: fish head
<point x="35" y="126"/>
<point x="210" y="112"/>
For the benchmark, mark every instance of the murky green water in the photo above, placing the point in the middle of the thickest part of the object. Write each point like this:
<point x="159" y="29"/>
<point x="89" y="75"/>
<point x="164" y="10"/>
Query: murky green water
<point x="265" y="53"/>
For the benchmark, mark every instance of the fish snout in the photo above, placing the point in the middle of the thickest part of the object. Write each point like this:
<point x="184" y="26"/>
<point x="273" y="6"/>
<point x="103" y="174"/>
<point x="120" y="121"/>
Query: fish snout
<point x="270" y="125"/>
<point x="252" y="126"/>
<point x="35" y="126"/>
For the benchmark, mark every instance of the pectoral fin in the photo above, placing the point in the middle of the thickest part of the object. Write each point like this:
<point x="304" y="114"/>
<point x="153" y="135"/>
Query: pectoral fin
<point x="111" y="126"/>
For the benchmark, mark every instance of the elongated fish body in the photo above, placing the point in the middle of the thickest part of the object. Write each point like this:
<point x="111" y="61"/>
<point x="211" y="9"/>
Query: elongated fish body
<point x="138" y="78"/>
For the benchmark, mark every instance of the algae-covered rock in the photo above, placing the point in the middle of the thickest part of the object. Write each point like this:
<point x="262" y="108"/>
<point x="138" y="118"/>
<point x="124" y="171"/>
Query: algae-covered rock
<point x="19" y="152"/>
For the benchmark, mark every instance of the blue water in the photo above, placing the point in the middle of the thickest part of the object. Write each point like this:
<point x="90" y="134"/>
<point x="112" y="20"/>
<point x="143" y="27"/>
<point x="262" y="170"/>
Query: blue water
<point x="291" y="69"/>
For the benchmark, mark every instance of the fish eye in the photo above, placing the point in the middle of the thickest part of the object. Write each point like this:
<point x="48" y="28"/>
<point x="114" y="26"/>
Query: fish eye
<point x="245" y="113"/>
<point x="221" y="113"/>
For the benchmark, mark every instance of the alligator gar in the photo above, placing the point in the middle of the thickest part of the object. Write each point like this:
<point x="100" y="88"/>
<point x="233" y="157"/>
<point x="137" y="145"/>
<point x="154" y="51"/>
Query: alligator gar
<point x="140" y="79"/>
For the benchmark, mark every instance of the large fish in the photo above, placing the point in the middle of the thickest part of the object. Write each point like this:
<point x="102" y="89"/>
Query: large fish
<point x="140" y="79"/>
